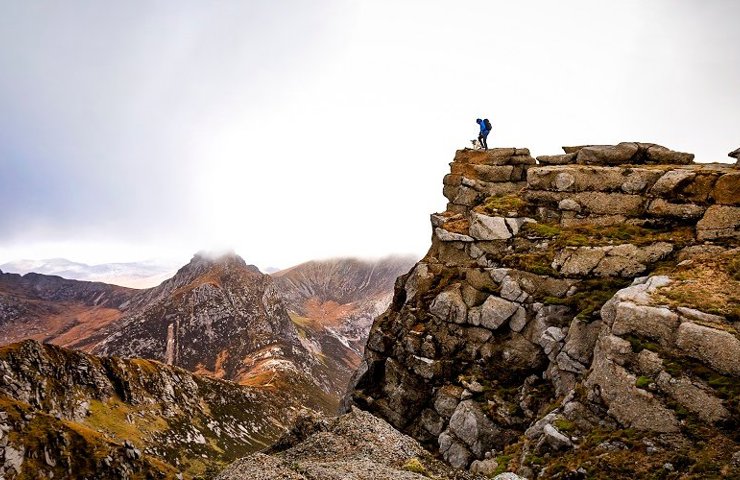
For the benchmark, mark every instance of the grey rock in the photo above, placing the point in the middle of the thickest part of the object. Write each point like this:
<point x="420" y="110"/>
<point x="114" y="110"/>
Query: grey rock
<point x="717" y="348"/>
<point x="579" y="261"/>
<point x="446" y="400"/>
<point x="569" y="204"/>
<point x="608" y="154"/>
<point x="14" y="457"/>
<point x="671" y="181"/>
<point x="550" y="339"/>
<point x="473" y="428"/>
<point x="484" y="467"/>
<point x="649" y="363"/>
<point x="638" y="293"/>
<point x="635" y="184"/>
<point x="453" y="452"/>
<point x="450" y="306"/>
<point x="537" y="429"/>
<point x="631" y="406"/>
<point x="658" y="323"/>
<point x="510" y="290"/>
<point x="686" y="211"/>
<point x="432" y="422"/>
<point x="447" y="236"/>
<point x="564" y="182"/>
<point x="483" y="227"/>
<point x="581" y="339"/>
<point x="518" y="321"/>
<point x="695" y="399"/>
<point x="515" y="224"/>
<point x="564" y="159"/>
<point x="719" y="221"/>
<point x="556" y="440"/>
<point x="568" y="364"/>
<point x="508" y="476"/>
<point x="496" y="311"/>
<point x="694" y="315"/>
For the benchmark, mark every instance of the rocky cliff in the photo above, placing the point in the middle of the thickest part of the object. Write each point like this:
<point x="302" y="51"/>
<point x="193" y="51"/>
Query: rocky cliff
<point x="575" y="316"/>
<point x="67" y="414"/>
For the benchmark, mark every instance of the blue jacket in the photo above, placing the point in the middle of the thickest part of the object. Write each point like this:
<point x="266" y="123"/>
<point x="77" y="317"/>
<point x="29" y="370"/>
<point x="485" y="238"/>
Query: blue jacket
<point x="483" y="128"/>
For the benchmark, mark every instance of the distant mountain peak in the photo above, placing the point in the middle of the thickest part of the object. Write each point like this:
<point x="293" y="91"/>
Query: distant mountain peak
<point x="205" y="262"/>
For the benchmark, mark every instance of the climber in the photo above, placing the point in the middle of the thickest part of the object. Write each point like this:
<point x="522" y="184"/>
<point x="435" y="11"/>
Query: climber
<point x="485" y="129"/>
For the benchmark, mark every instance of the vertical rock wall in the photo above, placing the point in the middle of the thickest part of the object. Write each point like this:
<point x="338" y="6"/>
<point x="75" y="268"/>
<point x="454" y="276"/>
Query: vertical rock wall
<point x="499" y="332"/>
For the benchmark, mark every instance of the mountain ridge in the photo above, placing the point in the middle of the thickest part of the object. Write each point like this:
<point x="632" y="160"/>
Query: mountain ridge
<point x="129" y="418"/>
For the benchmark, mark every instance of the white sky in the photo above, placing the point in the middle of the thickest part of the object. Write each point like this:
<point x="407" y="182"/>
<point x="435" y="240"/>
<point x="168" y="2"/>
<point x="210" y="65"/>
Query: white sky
<point x="292" y="130"/>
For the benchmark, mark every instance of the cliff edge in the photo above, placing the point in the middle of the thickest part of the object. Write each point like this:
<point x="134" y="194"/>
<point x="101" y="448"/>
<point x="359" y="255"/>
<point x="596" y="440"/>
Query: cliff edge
<point x="574" y="316"/>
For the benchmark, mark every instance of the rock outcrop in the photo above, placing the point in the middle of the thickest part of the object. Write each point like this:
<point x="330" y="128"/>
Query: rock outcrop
<point x="355" y="446"/>
<point x="547" y="326"/>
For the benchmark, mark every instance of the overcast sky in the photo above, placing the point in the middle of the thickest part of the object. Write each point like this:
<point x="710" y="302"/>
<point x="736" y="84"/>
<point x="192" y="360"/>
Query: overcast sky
<point x="292" y="130"/>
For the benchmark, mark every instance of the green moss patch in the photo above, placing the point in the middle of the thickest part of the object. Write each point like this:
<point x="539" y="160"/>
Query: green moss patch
<point x="708" y="283"/>
<point x="502" y="205"/>
<point x="643" y="382"/>
<point x="564" y="425"/>
<point x="414" y="465"/>
<point x="591" y="296"/>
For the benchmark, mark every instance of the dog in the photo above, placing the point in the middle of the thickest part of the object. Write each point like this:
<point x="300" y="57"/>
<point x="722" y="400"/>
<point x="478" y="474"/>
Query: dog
<point x="476" y="144"/>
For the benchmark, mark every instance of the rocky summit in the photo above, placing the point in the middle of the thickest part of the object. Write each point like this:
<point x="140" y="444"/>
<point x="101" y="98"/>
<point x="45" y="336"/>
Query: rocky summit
<point x="220" y="317"/>
<point x="577" y="316"/>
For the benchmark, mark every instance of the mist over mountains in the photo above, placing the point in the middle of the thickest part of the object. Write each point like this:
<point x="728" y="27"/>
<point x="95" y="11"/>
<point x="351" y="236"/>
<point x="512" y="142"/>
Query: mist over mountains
<point x="143" y="274"/>
<point x="223" y="356"/>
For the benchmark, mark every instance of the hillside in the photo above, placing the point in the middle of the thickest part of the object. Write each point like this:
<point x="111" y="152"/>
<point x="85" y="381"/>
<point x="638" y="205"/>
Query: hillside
<point x="53" y="309"/>
<point x="223" y="318"/>
<point x="303" y="328"/>
<point x="334" y="302"/>
<point x="74" y="415"/>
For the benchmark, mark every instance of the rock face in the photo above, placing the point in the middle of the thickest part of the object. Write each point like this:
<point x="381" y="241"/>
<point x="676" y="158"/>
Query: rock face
<point x="355" y="446"/>
<point x="535" y="323"/>
<point x="66" y="414"/>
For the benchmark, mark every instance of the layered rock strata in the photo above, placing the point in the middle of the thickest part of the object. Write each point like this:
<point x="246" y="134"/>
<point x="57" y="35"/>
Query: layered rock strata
<point x="533" y="324"/>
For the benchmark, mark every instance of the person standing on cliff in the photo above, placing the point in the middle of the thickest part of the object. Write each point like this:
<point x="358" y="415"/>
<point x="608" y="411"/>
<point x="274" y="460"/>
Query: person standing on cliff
<point x="485" y="129"/>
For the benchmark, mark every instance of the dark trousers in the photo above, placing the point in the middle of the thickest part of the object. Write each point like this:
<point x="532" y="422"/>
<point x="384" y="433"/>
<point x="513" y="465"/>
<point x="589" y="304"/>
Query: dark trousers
<point x="482" y="138"/>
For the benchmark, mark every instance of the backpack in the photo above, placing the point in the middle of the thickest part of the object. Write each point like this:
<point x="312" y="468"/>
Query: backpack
<point x="488" y="124"/>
